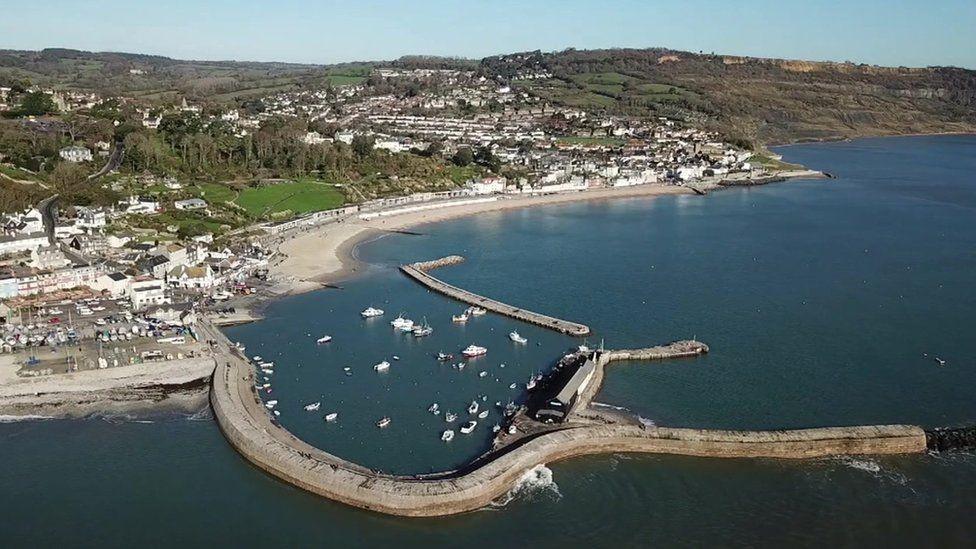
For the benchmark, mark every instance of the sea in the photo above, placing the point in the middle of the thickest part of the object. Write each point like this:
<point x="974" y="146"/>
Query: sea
<point x="824" y="302"/>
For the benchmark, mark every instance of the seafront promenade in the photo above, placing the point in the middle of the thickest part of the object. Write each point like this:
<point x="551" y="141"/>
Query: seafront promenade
<point x="249" y="427"/>
<point x="419" y="272"/>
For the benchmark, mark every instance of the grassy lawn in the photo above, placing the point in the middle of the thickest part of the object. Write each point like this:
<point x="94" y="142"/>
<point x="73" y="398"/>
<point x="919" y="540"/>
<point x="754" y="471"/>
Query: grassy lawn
<point x="772" y="164"/>
<point x="299" y="197"/>
<point x="213" y="192"/>
<point x="16" y="173"/>
<point x="345" y="79"/>
<point x="582" y="140"/>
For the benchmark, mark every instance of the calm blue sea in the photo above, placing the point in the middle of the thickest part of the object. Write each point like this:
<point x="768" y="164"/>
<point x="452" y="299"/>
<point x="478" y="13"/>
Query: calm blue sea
<point x="824" y="303"/>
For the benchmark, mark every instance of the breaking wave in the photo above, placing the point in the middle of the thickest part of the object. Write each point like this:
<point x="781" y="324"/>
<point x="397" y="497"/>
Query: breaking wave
<point x="535" y="481"/>
<point x="17" y="419"/>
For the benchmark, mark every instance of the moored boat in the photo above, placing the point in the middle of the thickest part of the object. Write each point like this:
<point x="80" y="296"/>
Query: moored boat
<point x="474" y="350"/>
<point x="449" y="417"/>
<point x="447" y="436"/>
<point x="312" y="407"/>
<point x="483" y="414"/>
<point x="370" y="312"/>
<point x="468" y="427"/>
<point x="514" y="336"/>
<point x="473" y="408"/>
<point x="382" y="366"/>
<point x="383" y="422"/>
<point x="460" y="319"/>
<point x="331" y="417"/>
<point x="324" y="339"/>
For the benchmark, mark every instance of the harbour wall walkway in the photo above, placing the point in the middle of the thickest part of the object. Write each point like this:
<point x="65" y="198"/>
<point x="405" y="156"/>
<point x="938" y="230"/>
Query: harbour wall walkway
<point x="247" y="425"/>
<point x="419" y="272"/>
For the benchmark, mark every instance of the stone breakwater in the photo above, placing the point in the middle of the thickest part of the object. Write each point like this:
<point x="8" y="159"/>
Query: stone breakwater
<point x="246" y="423"/>
<point x="418" y="272"/>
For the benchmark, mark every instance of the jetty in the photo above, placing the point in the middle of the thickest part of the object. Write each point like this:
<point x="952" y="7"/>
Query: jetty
<point x="420" y="272"/>
<point x="253" y="432"/>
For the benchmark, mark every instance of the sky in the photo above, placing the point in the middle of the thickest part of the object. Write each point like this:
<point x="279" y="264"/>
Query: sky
<point x="890" y="32"/>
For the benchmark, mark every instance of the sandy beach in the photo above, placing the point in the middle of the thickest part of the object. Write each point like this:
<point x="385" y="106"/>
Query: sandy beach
<point x="324" y="255"/>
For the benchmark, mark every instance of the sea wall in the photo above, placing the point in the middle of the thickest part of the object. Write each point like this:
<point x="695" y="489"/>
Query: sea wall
<point x="418" y="272"/>
<point x="248" y="427"/>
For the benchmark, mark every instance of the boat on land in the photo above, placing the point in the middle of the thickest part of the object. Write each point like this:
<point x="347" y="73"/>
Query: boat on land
<point x="370" y="312"/>
<point x="468" y="427"/>
<point x="473" y="350"/>
<point x="514" y="336"/>
<point x="331" y="417"/>
<point x="324" y="339"/>
<point x="460" y="319"/>
<point x="473" y="408"/>
<point x="384" y="422"/>
<point x="313" y="406"/>
<point x="447" y="436"/>
<point x="382" y="366"/>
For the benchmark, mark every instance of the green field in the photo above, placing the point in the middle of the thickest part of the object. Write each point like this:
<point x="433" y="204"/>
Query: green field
<point x="299" y="197"/>
<point x="212" y="192"/>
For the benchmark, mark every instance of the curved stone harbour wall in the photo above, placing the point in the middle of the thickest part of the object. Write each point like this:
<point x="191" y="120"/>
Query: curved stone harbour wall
<point x="418" y="272"/>
<point x="247" y="425"/>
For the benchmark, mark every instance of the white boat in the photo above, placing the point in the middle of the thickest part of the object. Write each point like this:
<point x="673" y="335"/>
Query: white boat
<point x="268" y="365"/>
<point x="408" y="327"/>
<point x="396" y="357"/>
<point x="370" y="312"/>
<point x="449" y="417"/>
<point x="474" y="350"/>
<point x="512" y="429"/>
<point x="383" y="422"/>
<point x="422" y="330"/>
<point x="324" y="339"/>
<point x="447" y="436"/>
<point x="461" y="318"/>
<point x="476" y="311"/>
<point x="433" y="408"/>
<point x="531" y="384"/>
<point x="400" y="323"/>
<point x="382" y="366"/>
<point x="277" y="413"/>
<point x="496" y="428"/>
<point x="270" y="404"/>
<point x="514" y="336"/>
<point x="483" y="414"/>
<point x="468" y="427"/>
<point x="312" y="407"/>
<point x="483" y="374"/>
<point x="512" y="386"/>
<point x="332" y="417"/>
<point x="473" y="409"/>
<point x="257" y="358"/>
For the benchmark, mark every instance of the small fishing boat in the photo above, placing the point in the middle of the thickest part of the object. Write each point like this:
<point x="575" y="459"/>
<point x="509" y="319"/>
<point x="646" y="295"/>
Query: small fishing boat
<point x="496" y="428"/>
<point x="444" y="357"/>
<point x="531" y="384"/>
<point x="468" y="427"/>
<point x="483" y="414"/>
<point x="383" y="422"/>
<point x="323" y="339"/>
<point x="433" y="408"/>
<point x="312" y="407"/>
<point x="332" y="416"/>
<point x="422" y="330"/>
<point x="382" y="366"/>
<point x="460" y="319"/>
<point x="514" y="336"/>
<point x="395" y="357"/>
<point x="268" y="365"/>
<point x="473" y="408"/>
<point x="482" y="374"/>
<point x="940" y="361"/>
<point x="370" y="312"/>
<point x="512" y="386"/>
<point x="257" y="358"/>
<point x="447" y="436"/>
<point x="472" y="351"/>
<point x="401" y="323"/>
<point x="270" y="404"/>
<point x="449" y="417"/>
<point x="475" y="311"/>
<point x="277" y="413"/>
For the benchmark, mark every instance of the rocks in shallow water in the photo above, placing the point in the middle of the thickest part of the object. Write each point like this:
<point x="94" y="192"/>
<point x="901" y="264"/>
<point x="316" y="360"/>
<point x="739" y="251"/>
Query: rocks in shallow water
<point x="947" y="438"/>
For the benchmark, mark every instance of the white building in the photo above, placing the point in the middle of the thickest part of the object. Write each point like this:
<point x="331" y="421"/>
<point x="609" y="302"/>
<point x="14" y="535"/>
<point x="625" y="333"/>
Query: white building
<point x="144" y="292"/>
<point x="190" y="204"/>
<point x="116" y="284"/>
<point x="76" y="154"/>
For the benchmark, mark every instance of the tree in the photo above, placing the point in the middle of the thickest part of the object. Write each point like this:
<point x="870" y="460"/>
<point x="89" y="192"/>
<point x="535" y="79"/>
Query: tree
<point x="362" y="145"/>
<point x="435" y="148"/>
<point x="36" y="104"/>
<point x="463" y="157"/>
